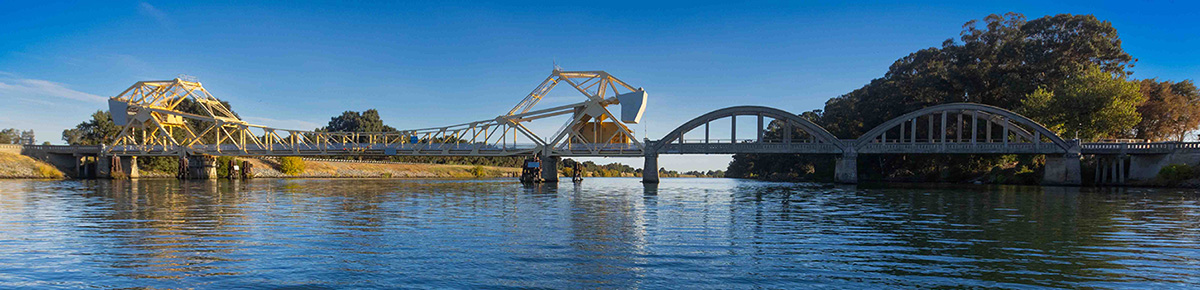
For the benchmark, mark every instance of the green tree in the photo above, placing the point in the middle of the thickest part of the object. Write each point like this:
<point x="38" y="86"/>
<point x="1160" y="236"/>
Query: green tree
<point x="10" y="136"/>
<point x="999" y="62"/>
<point x="351" y="121"/>
<point x="1094" y="104"/>
<point x="99" y="130"/>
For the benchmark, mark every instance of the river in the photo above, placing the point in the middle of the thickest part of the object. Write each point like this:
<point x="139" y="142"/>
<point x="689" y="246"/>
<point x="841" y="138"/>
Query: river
<point x="603" y="233"/>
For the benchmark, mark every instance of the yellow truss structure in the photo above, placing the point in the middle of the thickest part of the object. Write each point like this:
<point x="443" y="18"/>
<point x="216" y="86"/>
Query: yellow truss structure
<point x="153" y="124"/>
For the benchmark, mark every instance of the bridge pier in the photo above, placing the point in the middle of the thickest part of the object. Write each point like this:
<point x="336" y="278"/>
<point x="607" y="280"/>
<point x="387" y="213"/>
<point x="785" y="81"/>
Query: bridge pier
<point x="103" y="166"/>
<point x="78" y="165"/>
<point x="131" y="167"/>
<point x="846" y="170"/>
<point x="650" y="169"/>
<point x="550" y="168"/>
<point x="201" y="167"/>
<point x="1064" y="170"/>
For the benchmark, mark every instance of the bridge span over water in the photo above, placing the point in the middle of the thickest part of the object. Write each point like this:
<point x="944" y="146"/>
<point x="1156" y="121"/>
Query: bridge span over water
<point x="154" y="122"/>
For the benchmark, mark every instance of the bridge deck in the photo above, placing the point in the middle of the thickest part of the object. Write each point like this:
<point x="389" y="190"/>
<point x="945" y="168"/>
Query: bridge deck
<point x="628" y="150"/>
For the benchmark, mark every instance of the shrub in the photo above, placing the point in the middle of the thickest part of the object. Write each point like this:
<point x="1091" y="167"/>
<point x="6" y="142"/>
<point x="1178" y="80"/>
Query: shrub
<point x="223" y="167"/>
<point x="291" y="165"/>
<point x="478" y="171"/>
<point x="1176" y="173"/>
<point x="164" y="164"/>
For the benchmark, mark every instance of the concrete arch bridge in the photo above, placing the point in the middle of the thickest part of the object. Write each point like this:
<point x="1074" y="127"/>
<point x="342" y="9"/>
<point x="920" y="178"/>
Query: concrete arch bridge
<point x="957" y="128"/>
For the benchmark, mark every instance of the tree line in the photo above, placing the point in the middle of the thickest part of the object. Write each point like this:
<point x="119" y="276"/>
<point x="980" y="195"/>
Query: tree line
<point x="16" y="136"/>
<point x="1067" y="72"/>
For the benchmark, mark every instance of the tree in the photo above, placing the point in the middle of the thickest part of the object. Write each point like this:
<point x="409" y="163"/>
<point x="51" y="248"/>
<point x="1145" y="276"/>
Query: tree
<point x="999" y="60"/>
<point x="351" y="121"/>
<point x="99" y="130"/>
<point x="1170" y="111"/>
<point x="1093" y="104"/>
<point x="27" y="138"/>
<point x="10" y="136"/>
<point x="998" y="64"/>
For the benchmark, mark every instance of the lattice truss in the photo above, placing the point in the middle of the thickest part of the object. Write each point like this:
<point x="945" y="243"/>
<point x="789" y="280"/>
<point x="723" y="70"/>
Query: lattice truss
<point x="180" y="117"/>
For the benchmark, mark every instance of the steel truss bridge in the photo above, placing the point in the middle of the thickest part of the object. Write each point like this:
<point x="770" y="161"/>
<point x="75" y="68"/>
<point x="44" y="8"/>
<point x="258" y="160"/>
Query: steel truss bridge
<point x="154" y="124"/>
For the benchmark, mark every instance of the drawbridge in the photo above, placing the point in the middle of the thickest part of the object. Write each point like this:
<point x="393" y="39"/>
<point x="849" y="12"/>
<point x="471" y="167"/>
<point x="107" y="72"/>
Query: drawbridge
<point x="180" y="117"/>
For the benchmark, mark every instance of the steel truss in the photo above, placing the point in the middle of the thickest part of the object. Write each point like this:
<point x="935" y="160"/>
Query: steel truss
<point x="154" y="125"/>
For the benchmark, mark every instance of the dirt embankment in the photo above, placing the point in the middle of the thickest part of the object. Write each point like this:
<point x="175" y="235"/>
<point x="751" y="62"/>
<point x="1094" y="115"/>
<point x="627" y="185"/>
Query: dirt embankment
<point x="268" y="168"/>
<point x="21" y="166"/>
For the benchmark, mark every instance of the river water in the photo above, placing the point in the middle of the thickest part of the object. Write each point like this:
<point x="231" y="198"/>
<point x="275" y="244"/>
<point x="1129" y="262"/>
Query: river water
<point x="603" y="233"/>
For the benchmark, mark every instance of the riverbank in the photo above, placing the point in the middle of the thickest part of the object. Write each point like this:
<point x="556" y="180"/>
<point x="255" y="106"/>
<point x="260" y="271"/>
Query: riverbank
<point x="21" y="166"/>
<point x="269" y="168"/>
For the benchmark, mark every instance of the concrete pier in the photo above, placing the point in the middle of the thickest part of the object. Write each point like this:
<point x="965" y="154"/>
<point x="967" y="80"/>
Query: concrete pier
<point x="550" y="168"/>
<point x="1062" y="170"/>
<point x="846" y="170"/>
<point x="130" y="166"/>
<point x="104" y="166"/>
<point x="650" y="169"/>
<point x="201" y="167"/>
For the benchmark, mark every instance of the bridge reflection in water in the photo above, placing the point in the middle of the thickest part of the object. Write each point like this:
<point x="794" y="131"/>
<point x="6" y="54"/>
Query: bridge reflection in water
<point x="605" y="233"/>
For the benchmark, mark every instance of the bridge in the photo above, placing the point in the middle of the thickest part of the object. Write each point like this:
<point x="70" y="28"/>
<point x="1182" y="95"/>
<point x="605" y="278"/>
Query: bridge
<point x="181" y="118"/>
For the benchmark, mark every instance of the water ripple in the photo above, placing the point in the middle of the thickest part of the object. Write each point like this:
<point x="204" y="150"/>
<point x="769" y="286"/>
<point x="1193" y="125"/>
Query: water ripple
<point x="603" y="233"/>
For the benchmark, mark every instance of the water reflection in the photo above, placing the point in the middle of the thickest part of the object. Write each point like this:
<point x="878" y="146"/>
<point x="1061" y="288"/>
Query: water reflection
<point x="602" y="233"/>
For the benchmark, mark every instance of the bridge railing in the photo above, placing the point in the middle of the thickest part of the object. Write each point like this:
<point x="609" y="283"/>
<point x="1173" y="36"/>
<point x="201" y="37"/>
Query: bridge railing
<point x="326" y="149"/>
<point x="1154" y="147"/>
<point x="52" y="148"/>
<point x="742" y="141"/>
<point x="601" y="146"/>
<point x="961" y="148"/>
<point x="749" y="147"/>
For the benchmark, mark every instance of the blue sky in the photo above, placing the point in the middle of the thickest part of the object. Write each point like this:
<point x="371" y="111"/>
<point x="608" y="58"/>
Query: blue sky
<point x="295" y="64"/>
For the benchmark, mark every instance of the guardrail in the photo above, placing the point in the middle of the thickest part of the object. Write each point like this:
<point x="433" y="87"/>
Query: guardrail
<point x="349" y="160"/>
<point x="59" y="148"/>
<point x="1137" y="148"/>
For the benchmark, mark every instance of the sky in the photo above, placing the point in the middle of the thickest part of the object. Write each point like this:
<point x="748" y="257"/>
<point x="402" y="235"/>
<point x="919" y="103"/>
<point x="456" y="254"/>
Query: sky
<point x="295" y="64"/>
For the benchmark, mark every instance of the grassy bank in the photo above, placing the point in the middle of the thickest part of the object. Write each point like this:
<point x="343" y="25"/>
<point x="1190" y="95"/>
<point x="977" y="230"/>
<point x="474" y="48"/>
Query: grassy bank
<point x="21" y="166"/>
<point x="270" y="167"/>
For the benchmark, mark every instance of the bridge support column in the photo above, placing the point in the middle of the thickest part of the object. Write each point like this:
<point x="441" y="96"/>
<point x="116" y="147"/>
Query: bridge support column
<point x="1121" y="174"/>
<point x="1062" y="170"/>
<point x="201" y="167"/>
<point x="78" y="165"/>
<point x="846" y="170"/>
<point x="650" y="169"/>
<point x="131" y="167"/>
<point x="103" y="166"/>
<point x="550" y="168"/>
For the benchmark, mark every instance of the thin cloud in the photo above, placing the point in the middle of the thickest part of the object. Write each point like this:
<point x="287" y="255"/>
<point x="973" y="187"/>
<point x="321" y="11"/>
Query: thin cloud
<point x="19" y="88"/>
<point x="158" y="15"/>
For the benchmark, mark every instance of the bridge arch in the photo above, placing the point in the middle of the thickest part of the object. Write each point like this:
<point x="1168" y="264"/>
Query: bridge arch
<point x="967" y="116"/>
<point x="820" y="136"/>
